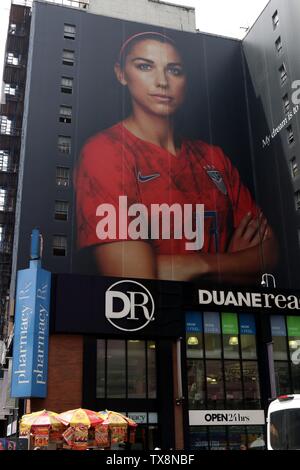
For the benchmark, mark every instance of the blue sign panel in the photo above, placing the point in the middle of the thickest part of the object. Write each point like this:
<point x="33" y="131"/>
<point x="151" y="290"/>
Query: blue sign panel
<point x="193" y="322"/>
<point x="31" y="333"/>
<point x="212" y="323"/>
<point x="278" y="327"/>
<point x="247" y="324"/>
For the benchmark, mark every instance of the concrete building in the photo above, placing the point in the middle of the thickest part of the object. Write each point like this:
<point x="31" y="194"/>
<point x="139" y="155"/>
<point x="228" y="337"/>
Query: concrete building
<point x="190" y="357"/>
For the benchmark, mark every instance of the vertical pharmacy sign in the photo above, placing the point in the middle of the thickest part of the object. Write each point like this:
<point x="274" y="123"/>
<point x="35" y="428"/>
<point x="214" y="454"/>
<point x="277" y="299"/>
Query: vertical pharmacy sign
<point x="31" y="332"/>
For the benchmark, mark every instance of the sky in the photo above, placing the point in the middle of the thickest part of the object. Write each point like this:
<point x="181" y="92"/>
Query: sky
<point x="223" y="17"/>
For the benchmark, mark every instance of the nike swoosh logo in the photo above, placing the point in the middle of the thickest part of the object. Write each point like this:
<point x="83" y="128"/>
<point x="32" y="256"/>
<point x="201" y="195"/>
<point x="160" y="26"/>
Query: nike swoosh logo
<point x="145" y="178"/>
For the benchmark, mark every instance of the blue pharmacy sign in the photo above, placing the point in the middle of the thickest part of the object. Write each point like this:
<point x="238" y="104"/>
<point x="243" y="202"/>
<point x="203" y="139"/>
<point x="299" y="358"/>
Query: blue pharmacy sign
<point x="31" y="331"/>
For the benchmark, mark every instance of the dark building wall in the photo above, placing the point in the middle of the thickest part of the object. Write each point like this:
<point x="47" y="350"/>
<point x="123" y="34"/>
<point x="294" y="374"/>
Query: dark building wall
<point x="218" y="103"/>
<point x="275" y="185"/>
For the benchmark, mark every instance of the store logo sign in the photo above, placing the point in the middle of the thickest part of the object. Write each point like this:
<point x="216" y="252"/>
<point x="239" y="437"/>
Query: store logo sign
<point x="226" y="417"/>
<point x="31" y="333"/>
<point x="129" y="306"/>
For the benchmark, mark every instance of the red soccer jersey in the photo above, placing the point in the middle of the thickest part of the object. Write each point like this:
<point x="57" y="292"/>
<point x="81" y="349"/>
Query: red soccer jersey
<point x="117" y="163"/>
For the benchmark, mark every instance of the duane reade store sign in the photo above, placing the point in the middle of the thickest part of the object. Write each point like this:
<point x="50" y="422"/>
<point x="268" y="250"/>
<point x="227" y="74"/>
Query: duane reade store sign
<point x="226" y="417"/>
<point x="252" y="300"/>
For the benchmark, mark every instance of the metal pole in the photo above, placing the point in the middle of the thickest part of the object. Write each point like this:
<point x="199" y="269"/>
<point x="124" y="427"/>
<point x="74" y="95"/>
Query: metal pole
<point x="179" y="369"/>
<point x="270" y="352"/>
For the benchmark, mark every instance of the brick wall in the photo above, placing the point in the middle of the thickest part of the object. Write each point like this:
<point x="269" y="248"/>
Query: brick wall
<point x="64" y="375"/>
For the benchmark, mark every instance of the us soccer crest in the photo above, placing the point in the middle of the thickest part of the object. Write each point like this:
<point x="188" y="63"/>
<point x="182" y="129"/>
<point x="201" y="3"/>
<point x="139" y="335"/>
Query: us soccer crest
<point x="217" y="179"/>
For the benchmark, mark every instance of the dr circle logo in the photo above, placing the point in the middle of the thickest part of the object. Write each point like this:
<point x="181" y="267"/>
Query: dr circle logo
<point x="129" y="306"/>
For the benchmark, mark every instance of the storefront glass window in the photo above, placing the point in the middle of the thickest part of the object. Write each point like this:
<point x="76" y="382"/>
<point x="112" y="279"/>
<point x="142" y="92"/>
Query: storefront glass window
<point x="296" y="377"/>
<point x="233" y="385"/>
<point x="151" y="363"/>
<point x="293" y="328"/>
<point x="196" y="384"/>
<point x="248" y="345"/>
<point x="126" y="369"/>
<point x="256" y="438"/>
<point x="100" y="377"/>
<point x="194" y="335"/>
<point x="283" y="384"/>
<point x="136" y="354"/>
<point x="230" y="335"/>
<point x="212" y="335"/>
<point x="199" y="438"/>
<point x="116" y="369"/>
<point x="237" y="437"/>
<point x="251" y="384"/>
<point x="215" y="385"/>
<point x="217" y="438"/>
<point x="279" y="334"/>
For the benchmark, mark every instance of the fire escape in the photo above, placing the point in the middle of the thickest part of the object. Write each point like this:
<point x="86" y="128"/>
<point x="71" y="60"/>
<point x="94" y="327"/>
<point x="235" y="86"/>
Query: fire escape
<point x="11" y="114"/>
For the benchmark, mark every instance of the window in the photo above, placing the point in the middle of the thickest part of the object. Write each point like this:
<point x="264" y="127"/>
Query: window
<point x="196" y="384"/>
<point x="68" y="57"/>
<point x="10" y="89"/>
<point x="67" y="85"/>
<point x="59" y="246"/>
<point x="275" y="19"/>
<point x="283" y="74"/>
<point x="61" y="210"/>
<point x="12" y="59"/>
<point x="12" y="28"/>
<point x="5" y="125"/>
<point x="126" y="369"/>
<point x="65" y="114"/>
<point x="2" y="198"/>
<point x="69" y="31"/>
<point x="64" y="144"/>
<point x="290" y="134"/>
<point x="62" y="176"/>
<point x="294" y="167"/>
<point x="4" y="157"/>
<point x="286" y="103"/>
<point x="222" y="368"/>
<point x="297" y="200"/>
<point x="278" y="45"/>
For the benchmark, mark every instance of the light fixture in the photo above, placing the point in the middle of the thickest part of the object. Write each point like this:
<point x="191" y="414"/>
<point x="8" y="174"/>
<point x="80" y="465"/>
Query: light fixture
<point x="152" y="346"/>
<point x="192" y="341"/>
<point x="233" y="341"/>
<point x="211" y="380"/>
<point x="293" y="344"/>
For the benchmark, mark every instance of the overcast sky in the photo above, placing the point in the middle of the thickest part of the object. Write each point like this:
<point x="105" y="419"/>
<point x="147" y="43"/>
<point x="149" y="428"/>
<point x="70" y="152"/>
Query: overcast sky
<point x="224" y="17"/>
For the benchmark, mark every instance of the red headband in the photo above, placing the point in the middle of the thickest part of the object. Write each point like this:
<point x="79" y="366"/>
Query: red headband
<point x="145" y="33"/>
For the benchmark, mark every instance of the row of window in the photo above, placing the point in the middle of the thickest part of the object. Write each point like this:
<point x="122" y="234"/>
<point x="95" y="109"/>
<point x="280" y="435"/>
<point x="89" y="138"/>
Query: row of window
<point x="126" y="369"/>
<point x="286" y="352"/>
<point x="275" y="20"/>
<point x="224" y="437"/>
<point x="6" y="200"/>
<point x="5" y="240"/>
<point x="222" y="361"/>
<point x="61" y="212"/>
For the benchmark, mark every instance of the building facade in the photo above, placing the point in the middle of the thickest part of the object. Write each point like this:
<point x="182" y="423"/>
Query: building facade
<point x="194" y="372"/>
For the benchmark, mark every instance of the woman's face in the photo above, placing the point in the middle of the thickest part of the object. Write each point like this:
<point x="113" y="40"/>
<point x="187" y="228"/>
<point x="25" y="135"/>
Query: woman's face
<point x="154" y="75"/>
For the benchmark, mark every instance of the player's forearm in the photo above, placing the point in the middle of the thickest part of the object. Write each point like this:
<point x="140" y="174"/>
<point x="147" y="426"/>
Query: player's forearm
<point x="244" y="266"/>
<point x="240" y="267"/>
<point x="182" y="267"/>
